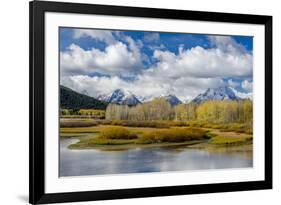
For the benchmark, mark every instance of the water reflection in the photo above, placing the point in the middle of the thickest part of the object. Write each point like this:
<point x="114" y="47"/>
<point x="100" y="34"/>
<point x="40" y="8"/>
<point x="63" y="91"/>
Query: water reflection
<point x="95" y="162"/>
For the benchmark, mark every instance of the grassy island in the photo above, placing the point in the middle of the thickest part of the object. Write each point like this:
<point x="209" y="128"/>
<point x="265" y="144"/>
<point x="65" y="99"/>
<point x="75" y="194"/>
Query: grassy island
<point x="114" y="135"/>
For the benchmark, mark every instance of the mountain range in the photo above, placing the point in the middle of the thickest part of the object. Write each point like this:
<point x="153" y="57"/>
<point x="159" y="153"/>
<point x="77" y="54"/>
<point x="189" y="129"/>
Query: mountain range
<point x="123" y="97"/>
<point x="220" y="93"/>
<point x="172" y="99"/>
<point x="71" y="99"/>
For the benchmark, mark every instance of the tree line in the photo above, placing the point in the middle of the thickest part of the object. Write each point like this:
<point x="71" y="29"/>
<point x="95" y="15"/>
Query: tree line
<point x="214" y="111"/>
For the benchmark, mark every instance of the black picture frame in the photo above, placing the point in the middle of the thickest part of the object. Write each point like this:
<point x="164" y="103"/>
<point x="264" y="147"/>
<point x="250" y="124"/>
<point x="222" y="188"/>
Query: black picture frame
<point x="37" y="194"/>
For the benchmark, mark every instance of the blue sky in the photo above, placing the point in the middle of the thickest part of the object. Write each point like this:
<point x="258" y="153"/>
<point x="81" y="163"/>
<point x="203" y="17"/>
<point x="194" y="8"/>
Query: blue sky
<point x="170" y="40"/>
<point x="99" y="61"/>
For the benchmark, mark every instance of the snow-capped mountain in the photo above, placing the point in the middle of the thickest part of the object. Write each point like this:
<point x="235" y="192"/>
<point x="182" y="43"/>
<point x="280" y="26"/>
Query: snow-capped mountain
<point x="173" y="100"/>
<point x="220" y="93"/>
<point x="124" y="97"/>
<point x="120" y="96"/>
<point x="144" y="99"/>
<point x="104" y="97"/>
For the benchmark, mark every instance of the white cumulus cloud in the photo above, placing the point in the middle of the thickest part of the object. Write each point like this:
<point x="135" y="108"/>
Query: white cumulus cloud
<point x="233" y="83"/>
<point x="185" y="73"/>
<point x="118" y="57"/>
<point x="101" y="35"/>
<point x="243" y="95"/>
<point x="115" y="59"/>
<point x="151" y="37"/>
<point x="200" y="62"/>
<point x="247" y="86"/>
<point x="144" y="86"/>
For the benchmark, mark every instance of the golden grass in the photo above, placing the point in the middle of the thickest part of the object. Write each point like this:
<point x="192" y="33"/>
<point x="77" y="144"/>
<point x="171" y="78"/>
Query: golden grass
<point x="99" y="128"/>
<point x="77" y="123"/>
<point x="78" y="130"/>
<point x="116" y="133"/>
<point x="104" y="132"/>
<point x="173" y="135"/>
<point x="164" y="124"/>
<point x="94" y="142"/>
<point x="153" y="124"/>
<point x="231" y="140"/>
<point x="229" y="127"/>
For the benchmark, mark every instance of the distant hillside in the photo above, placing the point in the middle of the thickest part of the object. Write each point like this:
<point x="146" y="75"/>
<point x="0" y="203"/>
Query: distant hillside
<point x="70" y="99"/>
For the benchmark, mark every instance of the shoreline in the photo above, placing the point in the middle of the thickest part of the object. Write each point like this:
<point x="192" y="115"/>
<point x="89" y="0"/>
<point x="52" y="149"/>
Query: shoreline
<point x="77" y="146"/>
<point x="214" y="139"/>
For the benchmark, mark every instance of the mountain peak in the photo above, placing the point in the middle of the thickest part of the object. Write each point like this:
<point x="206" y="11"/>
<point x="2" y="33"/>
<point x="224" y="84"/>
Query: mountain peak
<point x="120" y="96"/>
<point x="172" y="99"/>
<point x="219" y="93"/>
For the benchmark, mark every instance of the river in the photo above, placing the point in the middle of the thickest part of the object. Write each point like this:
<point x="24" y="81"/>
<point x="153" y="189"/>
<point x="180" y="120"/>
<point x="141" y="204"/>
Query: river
<point x="140" y="160"/>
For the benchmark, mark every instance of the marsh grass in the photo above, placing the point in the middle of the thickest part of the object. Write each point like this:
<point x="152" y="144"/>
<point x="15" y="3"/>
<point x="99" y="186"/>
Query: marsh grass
<point x="66" y="122"/>
<point x="226" y="140"/>
<point x="117" y="133"/>
<point x="95" y="132"/>
<point x="224" y="127"/>
<point x="164" y="124"/>
<point x="71" y="135"/>
<point x="78" y="123"/>
<point x="173" y="135"/>
<point x="76" y="130"/>
<point x="152" y="124"/>
<point x="84" y="143"/>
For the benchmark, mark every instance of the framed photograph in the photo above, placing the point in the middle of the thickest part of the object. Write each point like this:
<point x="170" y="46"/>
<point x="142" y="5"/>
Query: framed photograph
<point x="130" y="102"/>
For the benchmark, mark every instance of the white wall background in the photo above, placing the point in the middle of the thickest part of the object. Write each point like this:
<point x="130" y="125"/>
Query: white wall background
<point x="14" y="100"/>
